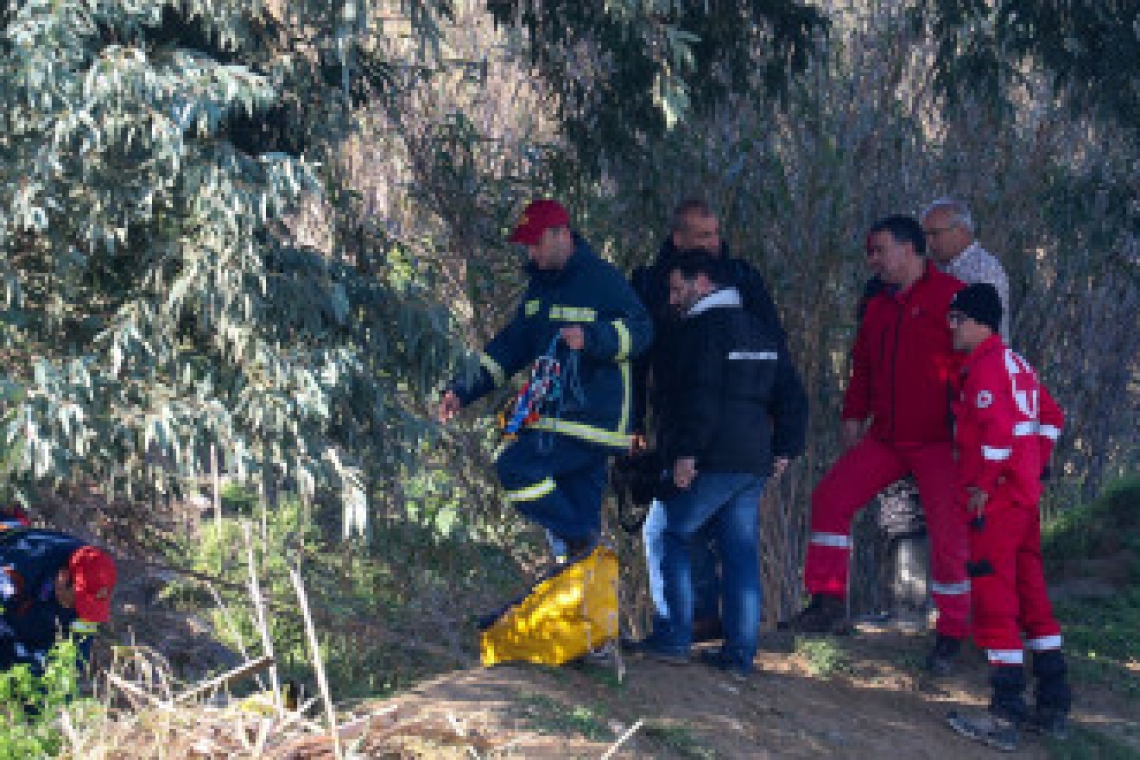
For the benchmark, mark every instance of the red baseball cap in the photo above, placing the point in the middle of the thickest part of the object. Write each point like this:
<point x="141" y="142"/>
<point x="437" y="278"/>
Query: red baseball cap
<point x="93" y="576"/>
<point x="537" y="218"/>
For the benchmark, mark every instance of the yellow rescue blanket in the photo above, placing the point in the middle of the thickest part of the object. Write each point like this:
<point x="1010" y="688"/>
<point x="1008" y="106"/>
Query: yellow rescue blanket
<point x="566" y="615"/>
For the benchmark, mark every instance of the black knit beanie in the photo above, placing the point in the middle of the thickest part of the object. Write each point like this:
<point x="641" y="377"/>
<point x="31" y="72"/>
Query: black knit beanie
<point x="981" y="303"/>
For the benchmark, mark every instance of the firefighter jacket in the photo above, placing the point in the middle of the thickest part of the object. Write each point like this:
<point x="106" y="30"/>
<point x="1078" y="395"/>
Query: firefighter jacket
<point x="591" y="293"/>
<point x="903" y="365"/>
<point x="1006" y="424"/>
<point x="734" y="400"/>
<point x="31" y="620"/>
<point x="651" y="283"/>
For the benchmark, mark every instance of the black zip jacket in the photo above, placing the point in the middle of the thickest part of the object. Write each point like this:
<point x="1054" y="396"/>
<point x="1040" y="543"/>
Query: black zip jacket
<point x="651" y="283"/>
<point x="734" y="399"/>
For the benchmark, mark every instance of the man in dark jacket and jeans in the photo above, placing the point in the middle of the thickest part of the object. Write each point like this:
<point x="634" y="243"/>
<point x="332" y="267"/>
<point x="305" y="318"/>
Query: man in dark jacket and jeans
<point x="734" y="404"/>
<point x="694" y="226"/>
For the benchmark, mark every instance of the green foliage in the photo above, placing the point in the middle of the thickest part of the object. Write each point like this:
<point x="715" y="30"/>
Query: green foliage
<point x="1107" y="526"/>
<point x="627" y="71"/>
<point x="824" y="656"/>
<point x="547" y="715"/>
<point x="155" y="301"/>
<point x="1100" y="637"/>
<point x="678" y="739"/>
<point x="30" y="706"/>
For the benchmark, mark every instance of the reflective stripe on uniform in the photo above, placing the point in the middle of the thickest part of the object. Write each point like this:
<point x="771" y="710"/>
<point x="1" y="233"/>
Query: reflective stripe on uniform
<point x="1005" y="656"/>
<point x="493" y="369"/>
<point x="84" y="627"/>
<point x="1052" y="432"/>
<point x="950" y="589"/>
<point x="586" y="432"/>
<point x="755" y="356"/>
<point x="836" y="540"/>
<point x="1027" y="428"/>
<point x="996" y="455"/>
<point x="624" y="341"/>
<point x="1044" y="642"/>
<point x="532" y="492"/>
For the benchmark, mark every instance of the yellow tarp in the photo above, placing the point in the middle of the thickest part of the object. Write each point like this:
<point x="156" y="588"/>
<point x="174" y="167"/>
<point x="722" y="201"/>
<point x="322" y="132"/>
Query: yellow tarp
<point x="565" y="616"/>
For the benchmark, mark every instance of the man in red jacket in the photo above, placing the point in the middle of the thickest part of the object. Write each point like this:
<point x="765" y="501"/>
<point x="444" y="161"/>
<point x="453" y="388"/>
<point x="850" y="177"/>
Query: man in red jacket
<point x="895" y="421"/>
<point x="1007" y="424"/>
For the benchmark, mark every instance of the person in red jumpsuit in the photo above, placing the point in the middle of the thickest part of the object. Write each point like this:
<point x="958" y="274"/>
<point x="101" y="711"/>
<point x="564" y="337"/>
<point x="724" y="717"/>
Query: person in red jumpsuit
<point x="895" y="422"/>
<point x="1006" y="426"/>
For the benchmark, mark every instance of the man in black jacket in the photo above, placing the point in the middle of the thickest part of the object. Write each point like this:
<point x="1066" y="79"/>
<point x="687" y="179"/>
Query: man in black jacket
<point x="734" y="405"/>
<point x="694" y="227"/>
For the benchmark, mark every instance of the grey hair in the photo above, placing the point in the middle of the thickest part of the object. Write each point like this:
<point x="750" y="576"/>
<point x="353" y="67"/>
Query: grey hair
<point x="959" y="212"/>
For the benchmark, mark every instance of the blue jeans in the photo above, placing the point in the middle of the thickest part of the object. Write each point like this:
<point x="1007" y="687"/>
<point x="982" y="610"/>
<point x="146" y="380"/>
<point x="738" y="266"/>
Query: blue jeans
<point x="557" y="481"/>
<point x="729" y="504"/>
<point x="702" y="560"/>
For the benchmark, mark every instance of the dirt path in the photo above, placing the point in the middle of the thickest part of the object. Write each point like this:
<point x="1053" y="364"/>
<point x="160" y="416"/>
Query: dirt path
<point x="875" y="705"/>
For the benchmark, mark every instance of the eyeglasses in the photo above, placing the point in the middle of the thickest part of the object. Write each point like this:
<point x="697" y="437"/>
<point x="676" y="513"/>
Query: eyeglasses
<point x="955" y="318"/>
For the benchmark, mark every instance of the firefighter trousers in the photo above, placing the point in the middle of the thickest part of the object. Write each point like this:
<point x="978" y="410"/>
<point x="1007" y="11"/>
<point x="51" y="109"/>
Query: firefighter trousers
<point x="1008" y="584"/>
<point x="555" y="480"/>
<point x="853" y="481"/>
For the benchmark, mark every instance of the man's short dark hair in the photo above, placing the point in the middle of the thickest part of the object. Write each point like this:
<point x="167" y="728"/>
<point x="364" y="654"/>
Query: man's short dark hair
<point x="904" y="229"/>
<point x="695" y="261"/>
<point x="686" y="208"/>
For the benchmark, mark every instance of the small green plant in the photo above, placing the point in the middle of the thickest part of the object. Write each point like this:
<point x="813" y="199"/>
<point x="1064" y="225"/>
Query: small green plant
<point x="547" y="715"/>
<point x="678" y="739"/>
<point x="30" y="705"/>
<point x="824" y="657"/>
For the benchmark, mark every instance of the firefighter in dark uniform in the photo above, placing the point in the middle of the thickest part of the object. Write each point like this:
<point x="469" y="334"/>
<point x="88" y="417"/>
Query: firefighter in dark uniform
<point x="52" y="585"/>
<point x="554" y="472"/>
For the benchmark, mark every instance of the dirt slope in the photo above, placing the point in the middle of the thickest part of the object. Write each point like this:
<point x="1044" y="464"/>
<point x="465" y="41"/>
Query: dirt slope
<point x="876" y="706"/>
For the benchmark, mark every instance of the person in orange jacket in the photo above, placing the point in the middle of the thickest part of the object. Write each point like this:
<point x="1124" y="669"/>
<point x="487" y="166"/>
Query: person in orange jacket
<point x="1006" y="426"/>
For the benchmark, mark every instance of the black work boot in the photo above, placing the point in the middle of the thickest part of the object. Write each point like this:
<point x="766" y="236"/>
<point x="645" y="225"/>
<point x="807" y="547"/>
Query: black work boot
<point x="996" y="730"/>
<point x="1054" y="698"/>
<point x="999" y="726"/>
<point x="943" y="657"/>
<point x="825" y="614"/>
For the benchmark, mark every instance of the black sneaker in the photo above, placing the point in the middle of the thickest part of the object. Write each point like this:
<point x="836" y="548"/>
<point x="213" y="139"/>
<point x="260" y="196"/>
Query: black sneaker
<point x="825" y="614"/>
<point x="707" y="629"/>
<point x="943" y="658"/>
<point x="716" y="658"/>
<point x="995" y="730"/>
<point x="1050" y="722"/>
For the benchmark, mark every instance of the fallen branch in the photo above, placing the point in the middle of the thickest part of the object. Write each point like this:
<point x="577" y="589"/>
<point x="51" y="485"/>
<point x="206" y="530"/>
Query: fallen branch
<point x="242" y="671"/>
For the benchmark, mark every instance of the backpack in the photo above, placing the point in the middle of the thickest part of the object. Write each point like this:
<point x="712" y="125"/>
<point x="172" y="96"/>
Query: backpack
<point x="570" y="613"/>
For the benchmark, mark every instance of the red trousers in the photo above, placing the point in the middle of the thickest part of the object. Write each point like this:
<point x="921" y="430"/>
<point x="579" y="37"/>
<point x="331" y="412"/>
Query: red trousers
<point x="865" y="470"/>
<point x="1008" y="583"/>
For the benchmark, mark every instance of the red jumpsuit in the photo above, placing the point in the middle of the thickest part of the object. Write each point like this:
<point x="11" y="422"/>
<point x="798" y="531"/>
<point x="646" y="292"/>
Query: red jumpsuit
<point x="1007" y="424"/>
<point x="904" y="371"/>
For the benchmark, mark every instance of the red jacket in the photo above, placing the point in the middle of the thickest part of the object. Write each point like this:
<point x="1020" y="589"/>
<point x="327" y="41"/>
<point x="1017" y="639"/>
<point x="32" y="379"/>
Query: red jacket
<point x="903" y="363"/>
<point x="1006" y="424"/>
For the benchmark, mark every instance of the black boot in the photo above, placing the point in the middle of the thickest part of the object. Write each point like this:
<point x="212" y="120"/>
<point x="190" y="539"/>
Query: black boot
<point x="999" y="727"/>
<point x="943" y="658"/>
<point x="1054" y="699"/>
<point x="825" y="614"/>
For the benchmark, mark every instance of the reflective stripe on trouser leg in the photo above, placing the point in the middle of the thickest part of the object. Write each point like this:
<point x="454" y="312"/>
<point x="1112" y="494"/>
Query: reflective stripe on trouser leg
<point x="946" y="525"/>
<point x="993" y="563"/>
<point x="855" y="478"/>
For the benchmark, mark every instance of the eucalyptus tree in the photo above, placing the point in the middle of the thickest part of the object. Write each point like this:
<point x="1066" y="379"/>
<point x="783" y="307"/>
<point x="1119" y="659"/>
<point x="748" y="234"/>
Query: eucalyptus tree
<point x="155" y="300"/>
